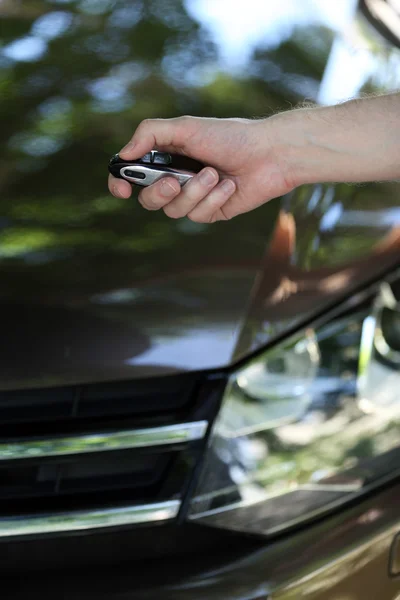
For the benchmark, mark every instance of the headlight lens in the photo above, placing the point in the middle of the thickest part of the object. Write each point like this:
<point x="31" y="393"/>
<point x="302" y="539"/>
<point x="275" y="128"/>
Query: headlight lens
<point x="306" y="425"/>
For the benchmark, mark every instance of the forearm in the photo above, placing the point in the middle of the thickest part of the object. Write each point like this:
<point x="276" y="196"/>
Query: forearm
<point x="351" y="142"/>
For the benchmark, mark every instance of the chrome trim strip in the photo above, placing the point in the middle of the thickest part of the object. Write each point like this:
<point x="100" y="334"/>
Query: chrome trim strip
<point x="101" y="442"/>
<point x="153" y="174"/>
<point x="90" y="519"/>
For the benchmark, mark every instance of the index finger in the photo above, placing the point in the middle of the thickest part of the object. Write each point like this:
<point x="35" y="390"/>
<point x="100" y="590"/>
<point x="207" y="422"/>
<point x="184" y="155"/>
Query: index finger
<point x="168" y="134"/>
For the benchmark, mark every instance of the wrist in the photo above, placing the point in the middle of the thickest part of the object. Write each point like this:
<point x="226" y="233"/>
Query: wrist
<point x="281" y="147"/>
<point x="297" y="135"/>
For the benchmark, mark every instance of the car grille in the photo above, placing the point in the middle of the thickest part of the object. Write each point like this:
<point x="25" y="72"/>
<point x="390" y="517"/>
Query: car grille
<point x="94" y="456"/>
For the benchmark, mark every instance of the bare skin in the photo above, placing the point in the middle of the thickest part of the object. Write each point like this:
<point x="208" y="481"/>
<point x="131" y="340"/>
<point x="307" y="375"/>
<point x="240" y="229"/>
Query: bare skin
<point x="253" y="161"/>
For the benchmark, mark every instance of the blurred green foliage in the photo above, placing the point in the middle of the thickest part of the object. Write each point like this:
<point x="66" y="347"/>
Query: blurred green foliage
<point x="76" y="78"/>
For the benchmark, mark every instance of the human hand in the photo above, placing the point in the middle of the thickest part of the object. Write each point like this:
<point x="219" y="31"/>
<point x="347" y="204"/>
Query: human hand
<point x="247" y="166"/>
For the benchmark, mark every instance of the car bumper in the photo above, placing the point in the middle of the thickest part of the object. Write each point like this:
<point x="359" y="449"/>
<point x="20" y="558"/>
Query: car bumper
<point x="344" y="556"/>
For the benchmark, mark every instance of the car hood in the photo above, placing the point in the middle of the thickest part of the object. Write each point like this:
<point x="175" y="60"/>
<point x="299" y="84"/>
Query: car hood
<point x="95" y="288"/>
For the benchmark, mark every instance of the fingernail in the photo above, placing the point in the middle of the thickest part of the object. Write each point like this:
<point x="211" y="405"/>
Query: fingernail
<point x="116" y="192"/>
<point x="228" y="186"/>
<point x="207" y="177"/>
<point x="128" y="148"/>
<point x="167" y="189"/>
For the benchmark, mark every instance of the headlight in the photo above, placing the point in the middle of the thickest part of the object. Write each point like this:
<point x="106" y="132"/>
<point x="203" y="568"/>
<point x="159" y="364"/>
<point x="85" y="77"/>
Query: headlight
<point x="306" y="425"/>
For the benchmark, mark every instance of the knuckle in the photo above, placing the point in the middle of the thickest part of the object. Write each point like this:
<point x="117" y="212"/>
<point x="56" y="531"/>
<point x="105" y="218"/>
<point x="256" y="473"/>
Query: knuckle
<point x="200" y="186"/>
<point x="224" y="215"/>
<point x="145" y="124"/>
<point x="188" y="125"/>
<point x="194" y="219"/>
<point x="197" y="218"/>
<point x="141" y="200"/>
<point x="152" y="205"/>
<point x="148" y="201"/>
<point x="172" y="211"/>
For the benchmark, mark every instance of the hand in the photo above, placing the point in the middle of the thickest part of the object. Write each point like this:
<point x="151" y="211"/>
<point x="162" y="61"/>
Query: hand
<point x="247" y="166"/>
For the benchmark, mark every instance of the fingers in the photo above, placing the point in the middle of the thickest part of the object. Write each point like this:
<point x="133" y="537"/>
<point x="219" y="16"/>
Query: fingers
<point x="159" y="194"/>
<point x="210" y="209"/>
<point x="158" y="133"/>
<point x="193" y="192"/>
<point x="177" y="202"/>
<point x="202" y="199"/>
<point x="119" y="187"/>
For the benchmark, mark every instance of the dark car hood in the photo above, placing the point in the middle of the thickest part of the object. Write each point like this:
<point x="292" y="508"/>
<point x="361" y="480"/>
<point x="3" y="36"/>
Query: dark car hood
<point x="95" y="288"/>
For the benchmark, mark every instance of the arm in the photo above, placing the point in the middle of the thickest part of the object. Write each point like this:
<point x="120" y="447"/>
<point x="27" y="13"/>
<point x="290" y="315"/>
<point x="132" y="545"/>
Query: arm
<point x="356" y="141"/>
<point x="255" y="161"/>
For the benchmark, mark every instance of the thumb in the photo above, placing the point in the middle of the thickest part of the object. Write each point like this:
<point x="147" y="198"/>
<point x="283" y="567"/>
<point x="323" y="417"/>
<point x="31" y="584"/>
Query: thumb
<point x="164" y="134"/>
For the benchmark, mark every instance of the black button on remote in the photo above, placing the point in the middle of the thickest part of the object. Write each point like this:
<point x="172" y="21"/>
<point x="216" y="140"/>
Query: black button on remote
<point x="136" y="174"/>
<point x="161" y="158"/>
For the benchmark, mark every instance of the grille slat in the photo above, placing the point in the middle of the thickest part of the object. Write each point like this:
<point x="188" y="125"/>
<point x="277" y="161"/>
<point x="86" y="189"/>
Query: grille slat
<point x="88" y="520"/>
<point x="103" y="442"/>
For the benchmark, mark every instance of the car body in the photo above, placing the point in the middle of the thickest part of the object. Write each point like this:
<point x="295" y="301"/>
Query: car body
<point x="121" y="328"/>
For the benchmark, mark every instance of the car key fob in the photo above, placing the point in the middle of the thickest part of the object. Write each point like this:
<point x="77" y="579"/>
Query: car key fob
<point x="153" y="166"/>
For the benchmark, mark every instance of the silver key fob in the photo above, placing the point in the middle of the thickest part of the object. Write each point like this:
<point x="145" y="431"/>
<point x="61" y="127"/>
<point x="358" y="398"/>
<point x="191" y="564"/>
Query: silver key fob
<point x="153" y="166"/>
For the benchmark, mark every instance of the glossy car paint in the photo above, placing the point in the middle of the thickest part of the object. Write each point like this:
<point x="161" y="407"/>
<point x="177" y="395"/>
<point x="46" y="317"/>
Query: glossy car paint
<point x="94" y="287"/>
<point x="344" y="557"/>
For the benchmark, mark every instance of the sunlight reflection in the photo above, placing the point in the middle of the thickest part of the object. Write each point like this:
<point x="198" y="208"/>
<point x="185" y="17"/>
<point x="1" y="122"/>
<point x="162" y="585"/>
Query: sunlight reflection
<point x="239" y="27"/>
<point x="52" y="25"/>
<point x="346" y="72"/>
<point x="55" y="106"/>
<point x="35" y="145"/>
<point x="107" y="88"/>
<point x="210" y="345"/>
<point x="96" y="7"/>
<point x="126" y="17"/>
<point x="26" y="49"/>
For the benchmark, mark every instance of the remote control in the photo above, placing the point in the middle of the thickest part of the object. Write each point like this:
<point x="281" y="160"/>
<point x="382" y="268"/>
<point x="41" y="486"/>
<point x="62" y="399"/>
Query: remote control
<point x="153" y="166"/>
